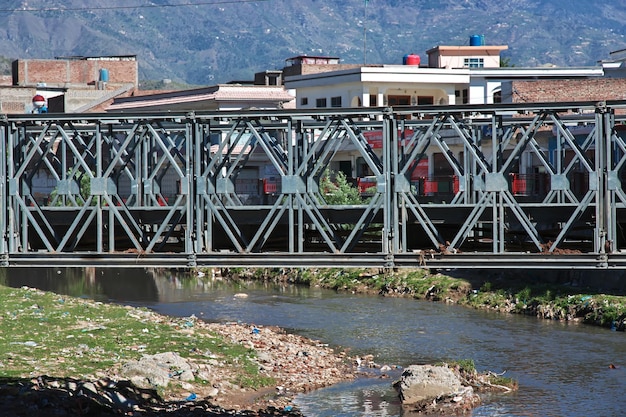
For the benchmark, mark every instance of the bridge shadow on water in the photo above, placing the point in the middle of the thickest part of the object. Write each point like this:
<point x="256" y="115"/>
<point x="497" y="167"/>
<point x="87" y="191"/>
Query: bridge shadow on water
<point x="151" y="285"/>
<point x="101" y="284"/>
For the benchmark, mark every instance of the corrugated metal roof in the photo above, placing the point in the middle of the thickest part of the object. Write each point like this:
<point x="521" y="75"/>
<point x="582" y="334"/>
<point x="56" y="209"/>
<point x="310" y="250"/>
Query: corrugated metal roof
<point x="205" y="97"/>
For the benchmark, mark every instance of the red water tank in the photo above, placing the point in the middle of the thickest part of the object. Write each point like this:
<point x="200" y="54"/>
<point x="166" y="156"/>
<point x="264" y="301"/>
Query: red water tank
<point x="413" y="59"/>
<point x="39" y="100"/>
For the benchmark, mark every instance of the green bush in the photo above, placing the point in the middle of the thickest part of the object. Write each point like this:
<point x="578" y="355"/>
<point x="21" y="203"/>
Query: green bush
<point x="336" y="189"/>
<point x="524" y="295"/>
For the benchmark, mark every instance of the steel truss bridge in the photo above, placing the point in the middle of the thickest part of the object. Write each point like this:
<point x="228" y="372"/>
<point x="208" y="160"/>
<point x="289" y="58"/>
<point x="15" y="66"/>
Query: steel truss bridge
<point x="105" y="203"/>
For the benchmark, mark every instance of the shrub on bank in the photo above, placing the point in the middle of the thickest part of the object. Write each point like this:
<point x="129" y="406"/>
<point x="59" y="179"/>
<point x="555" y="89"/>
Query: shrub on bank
<point x="552" y="302"/>
<point x="416" y="283"/>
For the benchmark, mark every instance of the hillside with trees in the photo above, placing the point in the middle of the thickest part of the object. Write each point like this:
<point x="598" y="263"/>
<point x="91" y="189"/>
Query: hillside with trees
<point x="204" y="42"/>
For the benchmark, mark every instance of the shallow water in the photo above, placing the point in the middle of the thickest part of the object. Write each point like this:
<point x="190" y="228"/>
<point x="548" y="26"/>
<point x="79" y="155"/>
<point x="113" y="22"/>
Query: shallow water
<point x="562" y="369"/>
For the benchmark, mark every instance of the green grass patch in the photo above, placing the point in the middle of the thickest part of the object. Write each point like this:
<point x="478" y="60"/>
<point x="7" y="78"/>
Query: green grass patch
<point x="42" y="333"/>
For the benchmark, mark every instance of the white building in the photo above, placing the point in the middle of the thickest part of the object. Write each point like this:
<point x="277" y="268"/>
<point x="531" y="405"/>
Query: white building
<point x="454" y="75"/>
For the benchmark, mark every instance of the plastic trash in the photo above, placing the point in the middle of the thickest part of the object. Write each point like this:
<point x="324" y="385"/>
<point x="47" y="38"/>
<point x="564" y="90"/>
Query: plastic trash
<point x="191" y="397"/>
<point x="288" y="408"/>
<point x="255" y="331"/>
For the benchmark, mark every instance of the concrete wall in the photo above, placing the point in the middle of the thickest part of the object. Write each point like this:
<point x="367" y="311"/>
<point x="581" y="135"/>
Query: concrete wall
<point x="14" y="100"/>
<point x="305" y="69"/>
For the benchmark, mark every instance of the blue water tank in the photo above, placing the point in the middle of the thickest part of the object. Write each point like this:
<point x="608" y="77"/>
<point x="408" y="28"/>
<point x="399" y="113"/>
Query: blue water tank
<point x="477" y="40"/>
<point x="104" y="75"/>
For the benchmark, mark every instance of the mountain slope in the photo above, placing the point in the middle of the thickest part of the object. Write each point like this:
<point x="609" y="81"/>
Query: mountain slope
<point x="210" y="41"/>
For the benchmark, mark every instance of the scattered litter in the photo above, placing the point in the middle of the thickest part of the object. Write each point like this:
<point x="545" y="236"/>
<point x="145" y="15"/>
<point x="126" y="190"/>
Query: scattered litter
<point x="191" y="397"/>
<point x="94" y="328"/>
<point x="29" y="343"/>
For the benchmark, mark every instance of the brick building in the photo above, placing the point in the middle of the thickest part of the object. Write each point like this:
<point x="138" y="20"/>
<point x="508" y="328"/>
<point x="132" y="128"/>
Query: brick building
<point x="69" y="84"/>
<point x="595" y="89"/>
<point x="76" y="71"/>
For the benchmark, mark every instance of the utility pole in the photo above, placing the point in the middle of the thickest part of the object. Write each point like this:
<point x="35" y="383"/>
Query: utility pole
<point x="365" y="33"/>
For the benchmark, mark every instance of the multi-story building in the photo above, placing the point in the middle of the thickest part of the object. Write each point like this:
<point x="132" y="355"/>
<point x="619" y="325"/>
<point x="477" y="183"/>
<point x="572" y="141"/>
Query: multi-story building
<point x="452" y="75"/>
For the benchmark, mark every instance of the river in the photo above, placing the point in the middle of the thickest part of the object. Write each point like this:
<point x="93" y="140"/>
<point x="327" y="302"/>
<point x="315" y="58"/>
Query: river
<point x="562" y="368"/>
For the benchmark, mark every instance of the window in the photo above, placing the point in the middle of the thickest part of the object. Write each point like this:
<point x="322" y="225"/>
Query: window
<point x="320" y="102"/>
<point x="473" y="62"/>
<point x="425" y="100"/>
<point x="497" y="97"/>
<point x="399" y="100"/>
<point x="465" y="96"/>
<point x="373" y="98"/>
<point x="335" y="101"/>
<point x="304" y="101"/>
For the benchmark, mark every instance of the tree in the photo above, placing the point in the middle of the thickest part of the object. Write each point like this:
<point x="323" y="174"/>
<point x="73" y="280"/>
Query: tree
<point x="336" y="189"/>
<point x="506" y="63"/>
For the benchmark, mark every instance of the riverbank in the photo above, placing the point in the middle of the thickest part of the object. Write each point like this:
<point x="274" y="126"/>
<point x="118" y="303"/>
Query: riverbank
<point x="81" y="357"/>
<point x="68" y="354"/>
<point x="527" y="293"/>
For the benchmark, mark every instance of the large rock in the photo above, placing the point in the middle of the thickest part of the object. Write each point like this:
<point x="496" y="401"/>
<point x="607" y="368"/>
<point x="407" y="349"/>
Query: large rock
<point x="421" y="382"/>
<point x="434" y="389"/>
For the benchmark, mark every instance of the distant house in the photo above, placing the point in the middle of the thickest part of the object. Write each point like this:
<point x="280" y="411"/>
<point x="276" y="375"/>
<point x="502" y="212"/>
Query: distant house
<point x="473" y="56"/>
<point x="453" y="75"/>
<point x="253" y="182"/>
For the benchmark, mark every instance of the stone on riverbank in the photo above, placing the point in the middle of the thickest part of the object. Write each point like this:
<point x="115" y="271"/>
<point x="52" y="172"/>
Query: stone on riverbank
<point x="153" y="371"/>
